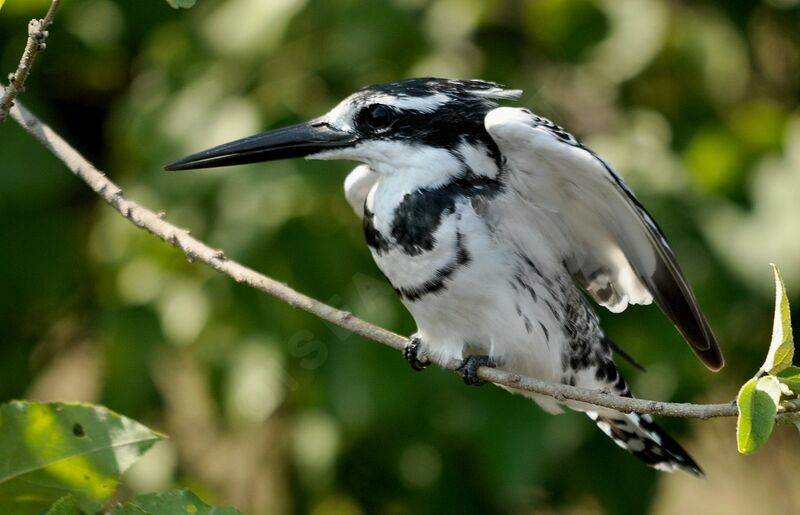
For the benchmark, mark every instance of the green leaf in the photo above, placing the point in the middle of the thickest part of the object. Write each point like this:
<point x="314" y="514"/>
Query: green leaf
<point x="790" y="376"/>
<point x="781" y="348"/>
<point x="180" y="4"/>
<point x="65" y="506"/>
<point x="128" y="509"/>
<point x="176" y="502"/>
<point x="1" y="3"/>
<point x="758" y="404"/>
<point x="49" y="450"/>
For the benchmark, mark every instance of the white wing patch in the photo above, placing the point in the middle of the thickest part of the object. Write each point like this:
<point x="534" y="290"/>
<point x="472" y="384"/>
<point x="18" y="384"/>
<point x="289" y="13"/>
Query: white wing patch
<point x="565" y="137"/>
<point x="557" y="174"/>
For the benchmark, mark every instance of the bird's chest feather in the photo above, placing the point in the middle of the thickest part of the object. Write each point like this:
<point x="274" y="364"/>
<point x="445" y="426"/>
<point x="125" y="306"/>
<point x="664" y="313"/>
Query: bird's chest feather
<point x="400" y="215"/>
<point x="426" y="235"/>
<point x="414" y="241"/>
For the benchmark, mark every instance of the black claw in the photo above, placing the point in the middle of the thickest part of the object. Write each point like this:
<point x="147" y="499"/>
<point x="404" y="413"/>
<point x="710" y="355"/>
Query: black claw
<point x="469" y="369"/>
<point x="411" y="353"/>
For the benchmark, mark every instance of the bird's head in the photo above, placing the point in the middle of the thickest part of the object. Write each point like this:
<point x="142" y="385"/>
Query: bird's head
<point x="385" y="125"/>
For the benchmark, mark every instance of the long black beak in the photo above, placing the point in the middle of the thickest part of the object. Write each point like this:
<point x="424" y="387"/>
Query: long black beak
<point x="299" y="140"/>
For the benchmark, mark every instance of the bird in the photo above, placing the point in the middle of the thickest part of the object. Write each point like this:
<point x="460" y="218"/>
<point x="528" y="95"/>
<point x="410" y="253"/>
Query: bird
<point x="495" y="226"/>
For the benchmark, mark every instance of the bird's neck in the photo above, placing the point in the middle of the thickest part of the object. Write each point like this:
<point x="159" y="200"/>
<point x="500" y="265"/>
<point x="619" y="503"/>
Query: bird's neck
<point x="414" y="167"/>
<point x="415" y="199"/>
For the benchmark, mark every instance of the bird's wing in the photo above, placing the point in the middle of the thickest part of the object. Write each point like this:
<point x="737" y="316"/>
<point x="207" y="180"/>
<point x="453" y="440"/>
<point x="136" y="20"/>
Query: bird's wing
<point x="609" y="242"/>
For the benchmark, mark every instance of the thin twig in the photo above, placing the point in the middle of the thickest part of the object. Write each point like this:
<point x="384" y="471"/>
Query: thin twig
<point x="37" y="36"/>
<point x="196" y="250"/>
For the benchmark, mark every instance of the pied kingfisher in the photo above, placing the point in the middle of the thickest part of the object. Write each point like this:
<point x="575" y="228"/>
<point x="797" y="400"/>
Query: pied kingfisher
<point x="488" y="222"/>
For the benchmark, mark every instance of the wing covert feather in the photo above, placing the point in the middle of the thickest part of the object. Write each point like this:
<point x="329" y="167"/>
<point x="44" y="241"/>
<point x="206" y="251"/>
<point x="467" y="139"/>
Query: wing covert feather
<point x="612" y="246"/>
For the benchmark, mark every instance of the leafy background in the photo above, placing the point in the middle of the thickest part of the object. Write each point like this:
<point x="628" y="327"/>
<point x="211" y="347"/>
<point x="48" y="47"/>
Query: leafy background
<point x="273" y="411"/>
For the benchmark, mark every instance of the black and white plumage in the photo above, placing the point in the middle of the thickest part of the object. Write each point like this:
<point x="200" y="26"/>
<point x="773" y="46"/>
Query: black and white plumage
<point x="491" y="223"/>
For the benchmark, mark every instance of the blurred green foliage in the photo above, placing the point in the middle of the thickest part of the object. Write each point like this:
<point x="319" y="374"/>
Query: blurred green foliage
<point x="273" y="411"/>
<point x="181" y="4"/>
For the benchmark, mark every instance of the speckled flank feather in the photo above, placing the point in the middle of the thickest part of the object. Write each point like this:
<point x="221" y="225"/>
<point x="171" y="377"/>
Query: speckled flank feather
<point x="587" y="361"/>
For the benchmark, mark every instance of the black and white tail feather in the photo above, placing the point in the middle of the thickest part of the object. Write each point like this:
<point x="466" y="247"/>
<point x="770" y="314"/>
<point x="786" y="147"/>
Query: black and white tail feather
<point x="637" y="433"/>
<point x="645" y="439"/>
<point x="488" y="221"/>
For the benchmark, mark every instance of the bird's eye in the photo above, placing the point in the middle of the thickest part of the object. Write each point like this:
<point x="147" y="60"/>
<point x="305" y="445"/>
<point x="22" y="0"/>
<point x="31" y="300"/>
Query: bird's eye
<point x="376" y="117"/>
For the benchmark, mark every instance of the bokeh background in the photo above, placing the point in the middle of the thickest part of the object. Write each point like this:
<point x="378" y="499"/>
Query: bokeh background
<point x="272" y="410"/>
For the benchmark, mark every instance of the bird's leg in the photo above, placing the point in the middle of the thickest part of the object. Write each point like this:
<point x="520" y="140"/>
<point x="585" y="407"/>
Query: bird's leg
<point x="469" y="369"/>
<point x="412" y="351"/>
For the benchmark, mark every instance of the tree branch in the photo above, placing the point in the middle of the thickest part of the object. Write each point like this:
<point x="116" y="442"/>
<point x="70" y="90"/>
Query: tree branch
<point x="37" y="35"/>
<point x="195" y="250"/>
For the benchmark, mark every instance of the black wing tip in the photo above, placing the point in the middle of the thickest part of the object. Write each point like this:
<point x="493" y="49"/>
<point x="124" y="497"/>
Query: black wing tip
<point x="708" y="350"/>
<point x="712" y="359"/>
<point x="701" y="340"/>
<point x="677" y="301"/>
<point x="712" y="354"/>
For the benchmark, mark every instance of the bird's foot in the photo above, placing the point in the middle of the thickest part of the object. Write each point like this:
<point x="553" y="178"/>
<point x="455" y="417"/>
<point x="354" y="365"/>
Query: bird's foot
<point x="412" y="354"/>
<point x="468" y="369"/>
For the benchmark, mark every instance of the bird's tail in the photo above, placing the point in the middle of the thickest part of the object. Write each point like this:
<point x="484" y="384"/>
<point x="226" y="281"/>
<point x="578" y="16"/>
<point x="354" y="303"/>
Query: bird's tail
<point x="635" y="432"/>
<point x="640" y="436"/>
